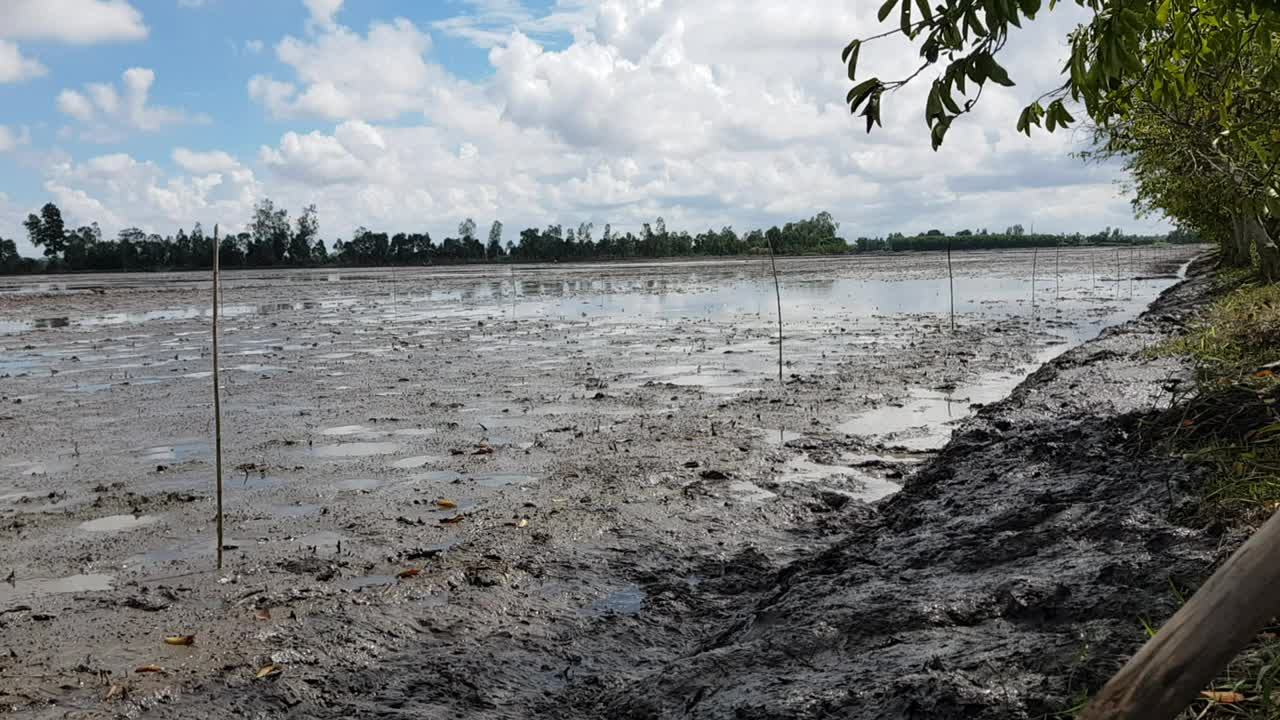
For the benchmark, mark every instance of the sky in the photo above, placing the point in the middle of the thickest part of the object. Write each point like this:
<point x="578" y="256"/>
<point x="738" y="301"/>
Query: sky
<point x="410" y="115"/>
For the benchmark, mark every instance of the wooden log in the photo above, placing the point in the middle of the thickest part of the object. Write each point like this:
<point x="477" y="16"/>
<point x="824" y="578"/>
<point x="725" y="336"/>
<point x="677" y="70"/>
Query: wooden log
<point x="1201" y="638"/>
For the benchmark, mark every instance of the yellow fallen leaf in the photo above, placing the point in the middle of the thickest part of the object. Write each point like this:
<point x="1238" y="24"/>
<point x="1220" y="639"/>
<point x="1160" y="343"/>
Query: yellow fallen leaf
<point x="408" y="573"/>
<point x="267" y="671"/>
<point x="524" y="523"/>
<point x="1262" y="374"/>
<point x="446" y="504"/>
<point x="1223" y="697"/>
<point x="149" y="669"/>
<point x="263" y="614"/>
<point x="180" y="640"/>
<point x="452" y="520"/>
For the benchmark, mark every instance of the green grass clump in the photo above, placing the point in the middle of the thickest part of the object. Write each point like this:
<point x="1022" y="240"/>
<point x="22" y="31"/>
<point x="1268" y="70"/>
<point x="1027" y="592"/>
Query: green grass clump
<point x="1230" y="421"/>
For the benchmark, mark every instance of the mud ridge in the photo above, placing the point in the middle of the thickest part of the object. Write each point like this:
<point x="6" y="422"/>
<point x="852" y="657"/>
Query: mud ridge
<point x="1010" y="575"/>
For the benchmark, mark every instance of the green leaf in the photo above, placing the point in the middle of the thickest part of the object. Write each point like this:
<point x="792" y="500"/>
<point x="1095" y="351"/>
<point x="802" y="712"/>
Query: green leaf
<point x="860" y="92"/>
<point x="1029" y="8"/>
<point x="852" y="58"/>
<point x="904" y="21"/>
<point x="925" y="13"/>
<point x="973" y="23"/>
<point x="975" y="72"/>
<point x="933" y="106"/>
<point x="1010" y="11"/>
<point x="850" y="48"/>
<point x="939" y="132"/>
<point x="993" y="70"/>
<point x="944" y="91"/>
<point x="1162" y="12"/>
<point x="885" y="9"/>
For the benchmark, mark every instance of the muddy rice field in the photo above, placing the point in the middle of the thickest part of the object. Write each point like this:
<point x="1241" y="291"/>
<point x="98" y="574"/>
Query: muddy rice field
<point x="481" y="491"/>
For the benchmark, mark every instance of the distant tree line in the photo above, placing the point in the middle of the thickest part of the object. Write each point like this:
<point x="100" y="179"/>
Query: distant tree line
<point x="1013" y="237"/>
<point x="271" y="240"/>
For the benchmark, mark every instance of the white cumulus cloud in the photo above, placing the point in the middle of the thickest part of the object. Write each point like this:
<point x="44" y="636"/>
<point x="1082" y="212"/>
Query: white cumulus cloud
<point x="107" y="115"/>
<point x="71" y="21"/>
<point x="203" y="163"/>
<point x="15" y="67"/>
<point x="341" y="74"/>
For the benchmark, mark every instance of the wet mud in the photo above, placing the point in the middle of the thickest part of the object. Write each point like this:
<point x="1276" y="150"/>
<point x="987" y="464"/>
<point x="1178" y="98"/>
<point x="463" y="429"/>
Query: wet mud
<point x="581" y="493"/>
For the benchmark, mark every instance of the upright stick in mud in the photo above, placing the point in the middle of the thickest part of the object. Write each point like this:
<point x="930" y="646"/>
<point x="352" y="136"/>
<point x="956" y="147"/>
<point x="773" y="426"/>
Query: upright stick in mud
<point x="1132" y="269"/>
<point x="1117" y="272"/>
<point x="1057" y="274"/>
<point x="777" y="292"/>
<point x="217" y="391"/>
<point x="1035" y="254"/>
<point x="951" y="282"/>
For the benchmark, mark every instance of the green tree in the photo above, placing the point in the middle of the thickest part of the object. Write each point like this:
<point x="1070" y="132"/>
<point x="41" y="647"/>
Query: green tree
<point x="47" y="231"/>
<point x="305" y="234"/>
<point x="494" y="249"/>
<point x="269" y="233"/>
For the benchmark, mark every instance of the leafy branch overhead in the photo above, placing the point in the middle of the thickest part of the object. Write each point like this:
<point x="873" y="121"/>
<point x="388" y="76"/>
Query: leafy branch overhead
<point x="1184" y="92"/>
<point x="1125" y="42"/>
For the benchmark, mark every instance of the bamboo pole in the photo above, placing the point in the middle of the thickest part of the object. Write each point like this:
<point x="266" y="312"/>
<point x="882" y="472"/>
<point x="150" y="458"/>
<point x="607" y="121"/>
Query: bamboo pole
<point x="217" y="391"/>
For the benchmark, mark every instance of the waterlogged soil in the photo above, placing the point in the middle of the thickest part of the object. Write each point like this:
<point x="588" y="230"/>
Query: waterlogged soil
<point x="580" y="491"/>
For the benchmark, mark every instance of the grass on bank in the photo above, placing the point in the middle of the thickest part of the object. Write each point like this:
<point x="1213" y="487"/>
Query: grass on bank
<point x="1229" y="421"/>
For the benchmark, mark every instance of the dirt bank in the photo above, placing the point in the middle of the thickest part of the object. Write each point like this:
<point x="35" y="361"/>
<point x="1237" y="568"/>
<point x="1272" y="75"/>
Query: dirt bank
<point x="1012" y="572"/>
<point x="631" y="538"/>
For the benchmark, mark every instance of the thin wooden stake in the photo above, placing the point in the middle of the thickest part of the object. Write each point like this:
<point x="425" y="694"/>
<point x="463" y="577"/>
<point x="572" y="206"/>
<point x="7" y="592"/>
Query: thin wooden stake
<point x="777" y="292"/>
<point x="217" y="391"/>
<point x="1057" y="274"/>
<point x="951" y="281"/>
<point x="1117" y="272"/>
<point x="1035" y="255"/>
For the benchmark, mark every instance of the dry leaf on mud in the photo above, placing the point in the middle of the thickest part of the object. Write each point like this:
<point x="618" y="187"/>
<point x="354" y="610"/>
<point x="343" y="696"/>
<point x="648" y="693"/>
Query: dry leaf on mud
<point x="180" y="640"/>
<point x="263" y="614"/>
<point x="452" y="520"/>
<point x="114" y="691"/>
<point x="1222" y="696"/>
<point x="1188" y="423"/>
<point x="408" y="573"/>
<point x="1261" y="374"/>
<point x="150" y="669"/>
<point x="267" y="671"/>
<point x="524" y="523"/>
<point x="446" y="504"/>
